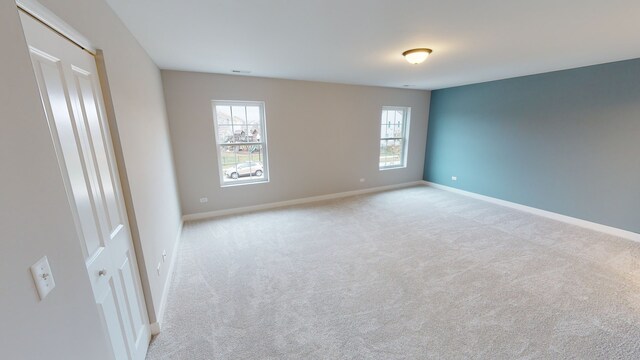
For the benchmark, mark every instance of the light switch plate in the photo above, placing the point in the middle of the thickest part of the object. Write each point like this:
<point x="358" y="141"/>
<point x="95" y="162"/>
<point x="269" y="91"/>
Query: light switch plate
<point x="42" y="277"/>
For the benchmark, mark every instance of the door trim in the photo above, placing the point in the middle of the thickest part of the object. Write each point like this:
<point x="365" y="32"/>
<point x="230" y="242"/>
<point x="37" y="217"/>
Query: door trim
<point x="48" y="18"/>
<point x="125" y="187"/>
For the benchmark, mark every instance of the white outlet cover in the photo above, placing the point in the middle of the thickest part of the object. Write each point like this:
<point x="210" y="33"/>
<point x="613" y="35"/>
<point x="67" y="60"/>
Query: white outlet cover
<point x="42" y="277"/>
<point x="454" y="178"/>
<point x="204" y="200"/>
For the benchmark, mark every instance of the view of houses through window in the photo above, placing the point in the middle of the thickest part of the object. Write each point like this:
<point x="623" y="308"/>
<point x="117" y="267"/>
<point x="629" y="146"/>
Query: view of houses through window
<point x="394" y="131"/>
<point x="241" y="140"/>
<point x="240" y="136"/>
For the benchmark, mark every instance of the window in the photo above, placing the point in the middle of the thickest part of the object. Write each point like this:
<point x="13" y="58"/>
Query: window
<point x="394" y="136"/>
<point x="242" y="142"/>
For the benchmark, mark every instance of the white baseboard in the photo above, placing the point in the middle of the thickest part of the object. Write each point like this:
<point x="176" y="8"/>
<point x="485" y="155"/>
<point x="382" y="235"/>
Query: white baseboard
<point x="544" y="213"/>
<point x="156" y="326"/>
<point x="212" y="214"/>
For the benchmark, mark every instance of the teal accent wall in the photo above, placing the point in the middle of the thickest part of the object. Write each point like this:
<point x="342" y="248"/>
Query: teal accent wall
<point x="566" y="141"/>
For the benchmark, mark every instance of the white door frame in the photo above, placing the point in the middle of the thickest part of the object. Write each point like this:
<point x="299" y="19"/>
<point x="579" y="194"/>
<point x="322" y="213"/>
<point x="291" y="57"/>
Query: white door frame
<point x="47" y="17"/>
<point x="51" y="20"/>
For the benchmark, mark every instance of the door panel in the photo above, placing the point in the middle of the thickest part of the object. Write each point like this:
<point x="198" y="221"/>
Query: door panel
<point x="69" y="88"/>
<point x="108" y="305"/>
<point x="127" y="280"/>
<point x="89" y="151"/>
<point x="87" y="91"/>
<point x="56" y="99"/>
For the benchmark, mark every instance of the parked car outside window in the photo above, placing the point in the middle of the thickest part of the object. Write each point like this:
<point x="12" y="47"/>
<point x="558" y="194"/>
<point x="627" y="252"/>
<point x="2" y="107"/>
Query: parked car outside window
<point x="252" y="168"/>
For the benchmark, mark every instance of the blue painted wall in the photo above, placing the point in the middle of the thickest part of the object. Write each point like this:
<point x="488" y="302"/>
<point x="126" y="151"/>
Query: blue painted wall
<point x="566" y="141"/>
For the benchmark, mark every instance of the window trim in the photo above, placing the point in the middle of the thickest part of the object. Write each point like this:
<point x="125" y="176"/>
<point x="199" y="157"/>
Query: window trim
<point x="263" y="142"/>
<point x="406" y="124"/>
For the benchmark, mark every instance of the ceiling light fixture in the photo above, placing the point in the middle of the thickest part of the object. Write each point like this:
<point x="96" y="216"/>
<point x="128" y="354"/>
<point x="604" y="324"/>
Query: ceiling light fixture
<point x="416" y="56"/>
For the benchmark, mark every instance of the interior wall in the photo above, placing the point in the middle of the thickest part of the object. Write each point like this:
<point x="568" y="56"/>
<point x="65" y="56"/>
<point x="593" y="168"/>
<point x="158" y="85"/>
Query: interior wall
<point x="36" y="221"/>
<point x="138" y="105"/>
<point x="322" y="138"/>
<point x="565" y="141"/>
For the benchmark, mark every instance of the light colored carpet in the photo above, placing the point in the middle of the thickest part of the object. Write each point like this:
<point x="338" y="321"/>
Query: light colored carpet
<point x="407" y="274"/>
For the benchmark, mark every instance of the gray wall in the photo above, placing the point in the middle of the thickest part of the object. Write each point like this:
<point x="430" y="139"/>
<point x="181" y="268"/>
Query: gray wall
<point x="36" y="218"/>
<point x="138" y="102"/>
<point x="565" y="141"/>
<point x="322" y="138"/>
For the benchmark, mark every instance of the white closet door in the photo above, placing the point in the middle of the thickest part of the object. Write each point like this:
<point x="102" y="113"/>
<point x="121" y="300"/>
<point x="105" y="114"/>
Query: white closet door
<point x="69" y="86"/>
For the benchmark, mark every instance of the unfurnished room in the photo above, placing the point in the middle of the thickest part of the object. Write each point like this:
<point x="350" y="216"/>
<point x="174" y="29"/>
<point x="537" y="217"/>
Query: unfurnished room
<point x="366" y="179"/>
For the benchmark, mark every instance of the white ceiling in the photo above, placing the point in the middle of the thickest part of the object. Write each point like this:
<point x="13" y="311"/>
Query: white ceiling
<point x="361" y="41"/>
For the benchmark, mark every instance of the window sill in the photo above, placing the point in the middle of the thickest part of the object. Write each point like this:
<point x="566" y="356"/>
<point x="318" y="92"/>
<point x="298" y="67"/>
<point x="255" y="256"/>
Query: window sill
<point x="242" y="183"/>
<point x="392" y="168"/>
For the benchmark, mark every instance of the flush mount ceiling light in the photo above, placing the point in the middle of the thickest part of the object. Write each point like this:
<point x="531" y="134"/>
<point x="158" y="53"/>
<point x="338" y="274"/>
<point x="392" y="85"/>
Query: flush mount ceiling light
<point x="416" y="56"/>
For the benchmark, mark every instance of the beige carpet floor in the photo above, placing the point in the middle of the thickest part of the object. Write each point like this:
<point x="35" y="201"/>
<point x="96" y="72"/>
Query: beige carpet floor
<point x="407" y="274"/>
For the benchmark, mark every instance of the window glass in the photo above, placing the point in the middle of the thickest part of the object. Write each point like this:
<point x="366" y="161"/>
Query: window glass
<point x="241" y="142"/>
<point x="394" y="132"/>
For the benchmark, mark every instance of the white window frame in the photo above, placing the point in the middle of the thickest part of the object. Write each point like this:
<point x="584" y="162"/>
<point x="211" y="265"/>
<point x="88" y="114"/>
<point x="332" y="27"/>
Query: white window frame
<point x="262" y="142"/>
<point x="406" y="110"/>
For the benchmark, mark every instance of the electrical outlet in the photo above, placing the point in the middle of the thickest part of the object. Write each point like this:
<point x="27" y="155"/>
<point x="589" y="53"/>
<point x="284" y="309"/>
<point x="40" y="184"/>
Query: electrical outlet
<point x="204" y="200"/>
<point x="454" y="178"/>
<point x="164" y="255"/>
